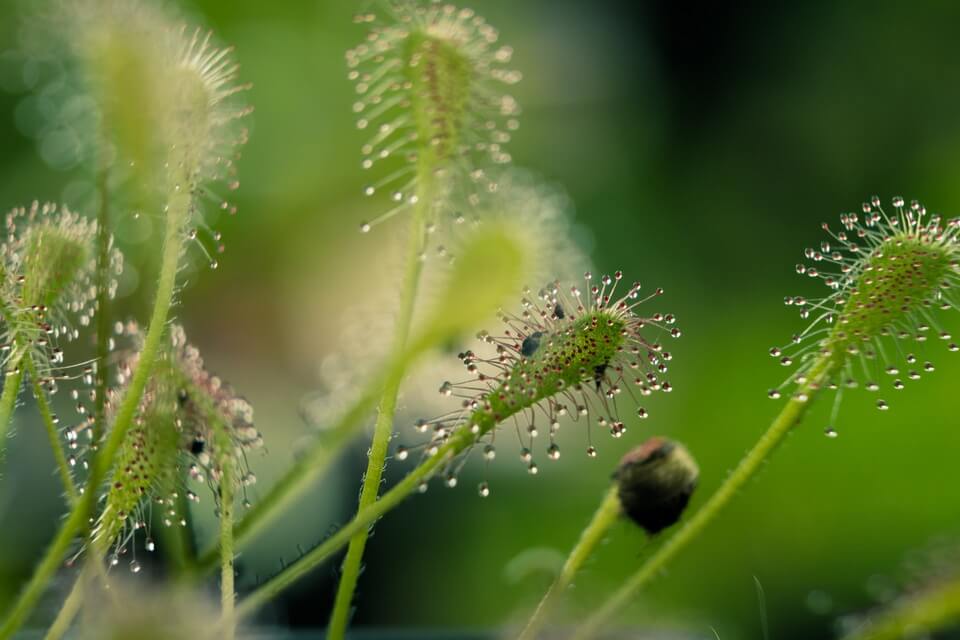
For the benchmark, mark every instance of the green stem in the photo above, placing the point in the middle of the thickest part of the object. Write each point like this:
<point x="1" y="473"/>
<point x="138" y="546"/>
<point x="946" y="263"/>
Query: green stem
<point x="383" y="429"/>
<point x="227" y="592"/>
<point x="178" y="544"/>
<point x="499" y="407"/>
<point x="71" y="606"/>
<point x="361" y="521"/>
<point x="169" y="264"/>
<point x="103" y="305"/>
<point x="52" y="432"/>
<point x="607" y="514"/>
<point x="302" y="473"/>
<point x="789" y="417"/>
<point x="8" y="401"/>
<point x="45" y="570"/>
<point x="916" y="615"/>
<point x="176" y="214"/>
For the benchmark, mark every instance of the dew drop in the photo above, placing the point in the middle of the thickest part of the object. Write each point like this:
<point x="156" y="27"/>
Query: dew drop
<point x="135" y="567"/>
<point x="830" y="432"/>
<point x="591" y="452"/>
<point x="483" y="490"/>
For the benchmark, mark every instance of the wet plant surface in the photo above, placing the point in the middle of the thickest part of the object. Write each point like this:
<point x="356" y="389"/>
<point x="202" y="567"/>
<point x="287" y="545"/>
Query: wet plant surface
<point x="412" y="319"/>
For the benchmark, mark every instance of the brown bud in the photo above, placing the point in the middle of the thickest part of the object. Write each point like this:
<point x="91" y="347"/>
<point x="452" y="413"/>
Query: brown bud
<point x="655" y="481"/>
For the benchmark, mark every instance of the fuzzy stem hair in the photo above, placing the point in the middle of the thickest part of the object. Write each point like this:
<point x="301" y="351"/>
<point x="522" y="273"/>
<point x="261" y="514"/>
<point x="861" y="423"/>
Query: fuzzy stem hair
<point x="49" y="423"/>
<point x="360" y="522"/>
<point x="932" y="610"/>
<point x="584" y="344"/>
<point x="605" y="517"/>
<point x="103" y="302"/>
<point x="383" y="429"/>
<point x="8" y="402"/>
<point x="176" y="215"/>
<point x="227" y="591"/>
<point x="788" y="418"/>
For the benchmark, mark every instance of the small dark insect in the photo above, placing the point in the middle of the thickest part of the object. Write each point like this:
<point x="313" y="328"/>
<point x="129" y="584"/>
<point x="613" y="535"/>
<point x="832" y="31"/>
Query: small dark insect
<point x="198" y="445"/>
<point x="598" y="374"/>
<point x="530" y="344"/>
<point x="558" y="312"/>
<point x="183" y="397"/>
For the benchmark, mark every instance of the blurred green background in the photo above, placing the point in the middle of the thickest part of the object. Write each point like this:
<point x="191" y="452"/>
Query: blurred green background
<point x="703" y="146"/>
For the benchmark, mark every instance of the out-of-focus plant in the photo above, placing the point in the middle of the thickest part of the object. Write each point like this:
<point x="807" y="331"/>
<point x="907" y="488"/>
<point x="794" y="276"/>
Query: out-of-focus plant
<point x="155" y="116"/>
<point x="161" y="109"/>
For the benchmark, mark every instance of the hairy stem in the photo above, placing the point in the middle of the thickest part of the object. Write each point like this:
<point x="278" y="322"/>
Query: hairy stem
<point x="361" y="521"/>
<point x="177" y="212"/>
<point x="919" y="615"/>
<point x="383" y="429"/>
<point x="169" y="264"/>
<point x="103" y="305"/>
<point x="791" y="414"/>
<point x="227" y="593"/>
<point x="302" y="472"/>
<point x="70" y="608"/>
<point x="607" y="514"/>
<point x="591" y="340"/>
<point x="47" y="567"/>
<point x="8" y="401"/>
<point x="178" y="542"/>
<point x="52" y="432"/>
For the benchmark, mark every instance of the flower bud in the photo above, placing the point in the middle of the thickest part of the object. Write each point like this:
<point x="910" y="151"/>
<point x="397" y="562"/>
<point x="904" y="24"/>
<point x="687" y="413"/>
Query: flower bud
<point x="654" y="483"/>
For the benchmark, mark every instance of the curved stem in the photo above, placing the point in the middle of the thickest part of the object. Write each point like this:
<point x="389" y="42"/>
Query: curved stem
<point x="45" y="570"/>
<point x="607" y="514"/>
<point x="69" y="609"/>
<point x="362" y="520"/>
<point x="93" y="568"/>
<point x="169" y="264"/>
<point x="302" y="473"/>
<point x="8" y="401"/>
<point x="52" y="432"/>
<point x="176" y="214"/>
<point x="748" y="467"/>
<point x="383" y="429"/>
<point x="927" y="612"/>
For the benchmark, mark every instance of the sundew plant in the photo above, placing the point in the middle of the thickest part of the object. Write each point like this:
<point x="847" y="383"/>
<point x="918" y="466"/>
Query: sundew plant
<point x="403" y="383"/>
